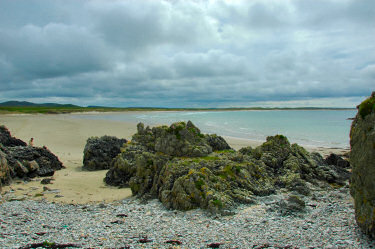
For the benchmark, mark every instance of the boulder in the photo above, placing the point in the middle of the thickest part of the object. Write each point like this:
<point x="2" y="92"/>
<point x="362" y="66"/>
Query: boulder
<point x="362" y="160"/>
<point x="7" y="140"/>
<point x="179" y="139"/>
<point x="99" y="152"/>
<point x="18" y="160"/>
<point x="28" y="161"/>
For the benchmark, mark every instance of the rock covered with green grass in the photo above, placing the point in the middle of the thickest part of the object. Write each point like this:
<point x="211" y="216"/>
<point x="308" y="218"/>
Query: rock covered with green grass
<point x="362" y="160"/>
<point x="162" y="163"/>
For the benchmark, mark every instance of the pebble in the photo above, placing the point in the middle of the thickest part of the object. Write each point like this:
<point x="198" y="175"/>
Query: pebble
<point x="327" y="222"/>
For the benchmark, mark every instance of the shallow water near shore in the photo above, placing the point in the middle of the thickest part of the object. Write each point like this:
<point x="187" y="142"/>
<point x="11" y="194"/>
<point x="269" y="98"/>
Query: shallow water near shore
<point x="319" y="128"/>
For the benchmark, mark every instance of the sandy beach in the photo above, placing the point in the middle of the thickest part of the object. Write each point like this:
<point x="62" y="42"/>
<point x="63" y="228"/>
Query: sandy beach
<point x="65" y="135"/>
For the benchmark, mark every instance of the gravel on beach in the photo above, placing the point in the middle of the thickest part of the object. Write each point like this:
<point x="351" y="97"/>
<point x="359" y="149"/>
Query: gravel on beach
<point x="327" y="222"/>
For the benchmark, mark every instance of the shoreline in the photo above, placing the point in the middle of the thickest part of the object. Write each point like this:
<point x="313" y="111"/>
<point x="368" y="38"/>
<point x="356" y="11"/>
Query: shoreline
<point x="66" y="137"/>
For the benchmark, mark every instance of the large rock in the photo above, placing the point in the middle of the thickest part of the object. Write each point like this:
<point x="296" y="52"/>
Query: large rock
<point x="217" y="181"/>
<point x="28" y="161"/>
<point x="99" y="152"/>
<point x="180" y="139"/>
<point x="7" y="140"/>
<point x="17" y="160"/>
<point x="362" y="160"/>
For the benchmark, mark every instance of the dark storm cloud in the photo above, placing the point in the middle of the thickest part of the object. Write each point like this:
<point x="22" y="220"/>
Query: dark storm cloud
<point x="187" y="53"/>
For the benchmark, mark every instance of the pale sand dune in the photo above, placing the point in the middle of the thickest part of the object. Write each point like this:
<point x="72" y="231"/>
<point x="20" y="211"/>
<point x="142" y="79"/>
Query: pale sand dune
<point x="65" y="135"/>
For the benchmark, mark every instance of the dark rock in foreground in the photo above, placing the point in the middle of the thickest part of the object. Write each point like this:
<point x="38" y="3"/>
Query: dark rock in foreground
<point x="99" y="152"/>
<point x="28" y="161"/>
<point x="17" y="160"/>
<point x="362" y="159"/>
<point x="175" y="165"/>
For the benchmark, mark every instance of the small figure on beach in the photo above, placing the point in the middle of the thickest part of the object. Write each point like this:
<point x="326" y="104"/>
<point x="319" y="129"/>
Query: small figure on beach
<point x="31" y="142"/>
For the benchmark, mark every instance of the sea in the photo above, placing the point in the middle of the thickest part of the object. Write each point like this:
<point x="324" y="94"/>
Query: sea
<point x="318" y="128"/>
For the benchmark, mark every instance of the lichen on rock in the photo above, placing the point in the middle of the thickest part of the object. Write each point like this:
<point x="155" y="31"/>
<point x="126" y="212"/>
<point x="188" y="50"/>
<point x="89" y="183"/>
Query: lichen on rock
<point x="179" y="139"/>
<point x="362" y="160"/>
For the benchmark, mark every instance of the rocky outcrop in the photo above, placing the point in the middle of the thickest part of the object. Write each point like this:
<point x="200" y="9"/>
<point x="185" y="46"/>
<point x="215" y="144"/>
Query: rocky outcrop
<point x="216" y="181"/>
<point x="362" y="160"/>
<point x="180" y="139"/>
<point x="17" y="160"/>
<point x="293" y="167"/>
<point x="7" y="140"/>
<point x="28" y="161"/>
<point x="99" y="152"/>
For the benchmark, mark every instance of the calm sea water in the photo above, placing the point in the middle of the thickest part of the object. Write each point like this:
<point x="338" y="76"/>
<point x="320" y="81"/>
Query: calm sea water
<point x="326" y="128"/>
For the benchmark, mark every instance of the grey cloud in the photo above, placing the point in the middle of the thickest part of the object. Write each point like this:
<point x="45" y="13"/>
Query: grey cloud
<point x="185" y="53"/>
<point x="50" y="51"/>
<point x="208" y="64"/>
<point x="134" y="26"/>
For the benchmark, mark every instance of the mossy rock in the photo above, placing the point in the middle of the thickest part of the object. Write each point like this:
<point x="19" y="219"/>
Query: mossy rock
<point x="367" y="106"/>
<point x="179" y="139"/>
<point x="362" y="160"/>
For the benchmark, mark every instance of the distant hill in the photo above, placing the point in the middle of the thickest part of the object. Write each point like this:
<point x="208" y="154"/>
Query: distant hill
<point x="30" y="104"/>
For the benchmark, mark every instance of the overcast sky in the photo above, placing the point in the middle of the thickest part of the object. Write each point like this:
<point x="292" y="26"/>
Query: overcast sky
<point x="188" y="53"/>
